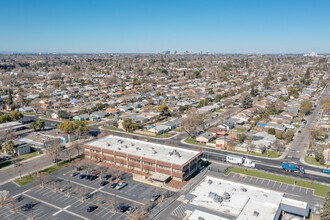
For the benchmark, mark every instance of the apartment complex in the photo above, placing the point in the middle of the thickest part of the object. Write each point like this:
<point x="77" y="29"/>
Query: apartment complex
<point x="162" y="161"/>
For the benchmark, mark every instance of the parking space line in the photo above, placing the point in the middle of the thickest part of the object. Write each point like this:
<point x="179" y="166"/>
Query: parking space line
<point x="108" y="211"/>
<point x="101" y="211"/>
<point x="112" y="194"/>
<point x="61" y="210"/>
<point x="54" y="206"/>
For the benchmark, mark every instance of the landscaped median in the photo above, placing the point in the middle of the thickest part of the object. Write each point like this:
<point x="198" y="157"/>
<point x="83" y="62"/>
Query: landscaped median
<point x="319" y="189"/>
<point x="33" y="176"/>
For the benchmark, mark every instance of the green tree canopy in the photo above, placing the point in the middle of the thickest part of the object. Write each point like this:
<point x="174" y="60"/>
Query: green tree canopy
<point x="247" y="102"/>
<point x="305" y="107"/>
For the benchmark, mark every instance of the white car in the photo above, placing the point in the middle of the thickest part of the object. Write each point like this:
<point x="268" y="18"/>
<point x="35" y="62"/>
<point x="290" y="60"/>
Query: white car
<point x="121" y="185"/>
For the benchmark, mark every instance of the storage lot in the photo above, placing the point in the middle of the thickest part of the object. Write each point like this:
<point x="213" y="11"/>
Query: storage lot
<point x="49" y="202"/>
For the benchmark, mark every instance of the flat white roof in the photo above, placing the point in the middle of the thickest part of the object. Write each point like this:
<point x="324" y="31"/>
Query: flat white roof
<point x="159" y="152"/>
<point x="255" y="203"/>
<point x="197" y="214"/>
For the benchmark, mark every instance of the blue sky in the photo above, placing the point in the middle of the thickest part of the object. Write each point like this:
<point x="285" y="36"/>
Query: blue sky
<point x="133" y="26"/>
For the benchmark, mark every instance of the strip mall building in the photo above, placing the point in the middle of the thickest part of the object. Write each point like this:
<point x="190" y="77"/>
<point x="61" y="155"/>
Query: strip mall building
<point x="161" y="161"/>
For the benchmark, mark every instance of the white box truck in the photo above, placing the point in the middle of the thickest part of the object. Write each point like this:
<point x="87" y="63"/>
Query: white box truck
<point x="239" y="160"/>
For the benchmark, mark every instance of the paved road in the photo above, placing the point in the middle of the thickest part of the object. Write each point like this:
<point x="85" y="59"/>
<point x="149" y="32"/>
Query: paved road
<point x="297" y="149"/>
<point x="9" y="173"/>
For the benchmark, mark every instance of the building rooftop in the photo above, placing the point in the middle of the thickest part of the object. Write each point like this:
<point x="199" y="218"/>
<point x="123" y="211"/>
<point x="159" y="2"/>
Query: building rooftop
<point x="145" y="149"/>
<point x="240" y="201"/>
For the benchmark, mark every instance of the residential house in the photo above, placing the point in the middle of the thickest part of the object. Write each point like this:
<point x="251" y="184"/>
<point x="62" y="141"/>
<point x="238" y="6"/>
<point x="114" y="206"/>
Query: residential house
<point x="82" y="117"/>
<point x="160" y="129"/>
<point x="205" y="137"/>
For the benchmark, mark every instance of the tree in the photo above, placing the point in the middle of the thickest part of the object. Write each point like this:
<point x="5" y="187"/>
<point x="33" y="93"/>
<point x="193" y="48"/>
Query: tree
<point x="163" y="109"/>
<point x="112" y="203"/>
<point x="33" y="125"/>
<point x="319" y="157"/>
<point x="241" y="137"/>
<point x="288" y="136"/>
<point x="325" y="215"/>
<point x="115" y="124"/>
<point x="191" y="122"/>
<point x="305" y="107"/>
<point x="8" y="147"/>
<point x="271" y="131"/>
<point x="316" y="133"/>
<point x="247" y="102"/>
<point x="53" y="152"/>
<point x="15" y="115"/>
<point x="41" y="124"/>
<point x="4" y="194"/>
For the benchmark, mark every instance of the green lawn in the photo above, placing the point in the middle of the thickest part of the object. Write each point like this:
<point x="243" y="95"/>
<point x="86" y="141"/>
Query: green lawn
<point x="19" y="158"/>
<point x="32" y="177"/>
<point x="113" y="128"/>
<point x="319" y="189"/>
<point x="30" y="113"/>
<point x="192" y="141"/>
<point x="240" y="129"/>
<point x="311" y="160"/>
<point x="219" y="111"/>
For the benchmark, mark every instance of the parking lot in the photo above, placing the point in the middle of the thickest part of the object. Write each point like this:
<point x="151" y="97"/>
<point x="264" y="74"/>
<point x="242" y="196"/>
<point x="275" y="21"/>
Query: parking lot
<point x="50" y="202"/>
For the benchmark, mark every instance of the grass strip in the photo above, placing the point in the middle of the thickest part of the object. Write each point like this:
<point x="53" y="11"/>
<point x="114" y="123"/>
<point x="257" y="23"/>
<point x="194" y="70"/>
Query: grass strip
<point x="32" y="177"/>
<point x="319" y="189"/>
<point x="18" y="159"/>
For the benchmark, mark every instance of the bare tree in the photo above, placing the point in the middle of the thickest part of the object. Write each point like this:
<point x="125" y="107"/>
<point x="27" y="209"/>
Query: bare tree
<point x="112" y="203"/>
<point x="13" y="203"/>
<point x="53" y="152"/>
<point x="82" y="191"/>
<point x="3" y="196"/>
<point x="191" y="122"/>
<point x="99" y="199"/>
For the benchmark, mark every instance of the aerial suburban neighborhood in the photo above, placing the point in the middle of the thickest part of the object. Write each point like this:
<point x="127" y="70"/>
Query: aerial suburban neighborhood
<point x="98" y="128"/>
<point x="164" y="110"/>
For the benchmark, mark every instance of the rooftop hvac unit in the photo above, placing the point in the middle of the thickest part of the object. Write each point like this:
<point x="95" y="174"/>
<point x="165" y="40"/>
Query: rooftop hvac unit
<point x="119" y="148"/>
<point x="170" y="153"/>
<point x="109" y="144"/>
<point x="155" y="152"/>
<point x="138" y="148"/>
<point x="255" y="213"/>
<point x="210" y="182"/>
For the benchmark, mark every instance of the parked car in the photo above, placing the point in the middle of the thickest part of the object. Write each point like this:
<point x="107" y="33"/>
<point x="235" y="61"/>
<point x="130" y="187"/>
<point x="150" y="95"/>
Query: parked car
<point x="87" y="177"/>
<point x="74" y="174"/>
<point x="299" y="131"/>
<point x="62" y="147"/>
<point x="6" y="158"/>
<point x="92" y="208"/>
<point x="103" y="183"/>
<point x="121" y="185"/>
<point x="155" y="197"/>
<point x="56" y="160"/>
<point x="130" y="210"/>
<point x="113" y="179"/>
<point x="91" y="177"/>
<point x="82" y="176"/>
<point x="106" y="177"/>
<point x="123" y="208"/>
<point x="113" y="185"/>
<point x="65" y="188"/>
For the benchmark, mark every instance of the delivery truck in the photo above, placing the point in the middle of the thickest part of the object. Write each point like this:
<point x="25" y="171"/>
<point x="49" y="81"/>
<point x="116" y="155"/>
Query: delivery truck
<point x="239" y="160"/>
<point x="292" y="167"/>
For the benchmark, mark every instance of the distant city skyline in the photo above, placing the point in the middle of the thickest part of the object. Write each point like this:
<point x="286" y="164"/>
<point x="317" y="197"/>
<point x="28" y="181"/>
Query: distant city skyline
<point x="231" y="26"/>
